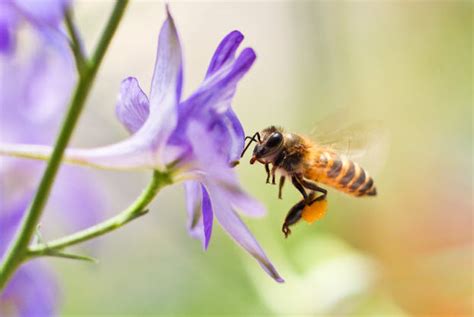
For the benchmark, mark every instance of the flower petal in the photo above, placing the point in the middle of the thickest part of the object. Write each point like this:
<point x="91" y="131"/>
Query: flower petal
<point x="210" y="104"/>
<point x="235" y="227"/>
<point x="44" y="12"/>
<point x="247" y="205"/>
<point x="166" y="85"/>
<point x="44" y="16"/>
<point x="76" y="199"/>
<point x="194" y="208"/>
<point x="225" y="52"/>
<point x="236" y="127"/>
<point x="216" y="92"/>
<point x="214" y="167"/>
<point x="35" y="91"/>
<point x="10" y="217"/>
<point x="236" y="135"/>
<point x="132" y="107"/>
<point x="200" y="214"/>
<point x="227" y="132"/>
<point x="8" y="24"/>
<point x="32" y="291"/>
<point x="7" y="42"/>
<point x="131" y="154"/>
<point x="239" y="68"/>
<point x="207" y="216"/>
<point x="221" y="184"/>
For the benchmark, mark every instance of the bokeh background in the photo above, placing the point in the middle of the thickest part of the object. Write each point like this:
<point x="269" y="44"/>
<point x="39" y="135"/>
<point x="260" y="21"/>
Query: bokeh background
<point x="409" y="251"/>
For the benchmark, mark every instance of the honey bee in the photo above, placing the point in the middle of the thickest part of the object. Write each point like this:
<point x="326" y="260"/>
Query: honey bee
<point x="307" y="164"/>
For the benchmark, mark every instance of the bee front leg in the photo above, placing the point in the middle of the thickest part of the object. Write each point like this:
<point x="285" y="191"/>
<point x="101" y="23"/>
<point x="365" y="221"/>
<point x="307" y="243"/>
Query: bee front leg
<point x="267" y="169"/>
<point x="280" y="187"/>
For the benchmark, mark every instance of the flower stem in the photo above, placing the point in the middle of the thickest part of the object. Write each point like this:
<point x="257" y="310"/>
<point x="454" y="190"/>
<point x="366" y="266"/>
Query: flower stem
<point x="75" y="41"/>
<point x="17" y="251"/>
<point x="135" y="210"/>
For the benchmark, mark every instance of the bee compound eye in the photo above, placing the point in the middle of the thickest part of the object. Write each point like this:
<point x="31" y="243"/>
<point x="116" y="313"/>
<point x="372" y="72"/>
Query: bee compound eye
<point x="275" y="139"/>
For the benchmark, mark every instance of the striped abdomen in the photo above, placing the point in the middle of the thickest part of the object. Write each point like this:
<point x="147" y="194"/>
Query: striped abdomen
<point x="342" y="174"/>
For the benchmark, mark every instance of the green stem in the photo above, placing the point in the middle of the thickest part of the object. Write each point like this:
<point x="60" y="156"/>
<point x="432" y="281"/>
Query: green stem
<point x="17" y="251"/>
<point x="135" y="210"/>
<point x="75" y="41"/>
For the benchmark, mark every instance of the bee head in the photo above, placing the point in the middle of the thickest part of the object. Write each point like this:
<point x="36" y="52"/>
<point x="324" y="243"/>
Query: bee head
<point x="269" y="143"/>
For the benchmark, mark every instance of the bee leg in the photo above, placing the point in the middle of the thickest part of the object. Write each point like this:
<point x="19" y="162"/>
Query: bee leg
<point x="313" y="186"/>
<point x="280" y="187"/>
<point x="277" y="163"/>
<point x="267" y="169"/>
<point x="294" y="215"/>
<point x="274" y="168"/>
<point x="296" y="182"/>
<point x="286" y="230"/>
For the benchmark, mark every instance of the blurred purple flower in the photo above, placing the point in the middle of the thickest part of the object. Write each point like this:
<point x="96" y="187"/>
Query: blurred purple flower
<point x="34" y="92"/>
<point x="197" y="138"/>
<point x="44" y="15"/>
<point x="32" y="291"/>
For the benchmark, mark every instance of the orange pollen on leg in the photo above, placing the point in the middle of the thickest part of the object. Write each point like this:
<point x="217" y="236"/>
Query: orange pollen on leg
<point x="315" y="211"/>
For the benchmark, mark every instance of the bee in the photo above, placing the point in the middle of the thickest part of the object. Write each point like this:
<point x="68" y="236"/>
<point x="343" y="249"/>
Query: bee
<point x="307" y="164"/>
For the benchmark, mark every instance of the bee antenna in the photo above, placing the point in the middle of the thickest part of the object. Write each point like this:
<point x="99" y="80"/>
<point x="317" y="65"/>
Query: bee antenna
<point x="252" y="139"/>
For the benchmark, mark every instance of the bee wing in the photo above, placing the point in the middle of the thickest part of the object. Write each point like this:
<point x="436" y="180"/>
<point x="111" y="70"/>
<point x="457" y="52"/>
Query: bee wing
<point x="353" y="140"/>
<point x="364" y="141"/>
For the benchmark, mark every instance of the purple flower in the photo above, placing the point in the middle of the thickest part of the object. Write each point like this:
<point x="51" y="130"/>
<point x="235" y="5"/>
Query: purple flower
<point x="44" y="15"/>
<point x="35" y="91"/>
<point x="32" y="291"/>
<point x="203" y="136"/>
<point x="196" y="139"/>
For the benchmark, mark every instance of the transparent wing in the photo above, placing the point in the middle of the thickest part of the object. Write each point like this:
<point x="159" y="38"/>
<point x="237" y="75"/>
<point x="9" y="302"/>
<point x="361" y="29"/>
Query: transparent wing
<point x="366" y="141"/>
<point x="353" y="140"/>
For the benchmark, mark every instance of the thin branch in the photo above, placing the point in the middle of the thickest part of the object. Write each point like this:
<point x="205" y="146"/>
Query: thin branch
<point x="135" y="210"/>
<point x="70" y="256"/>
<point x="75" y="42"/>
